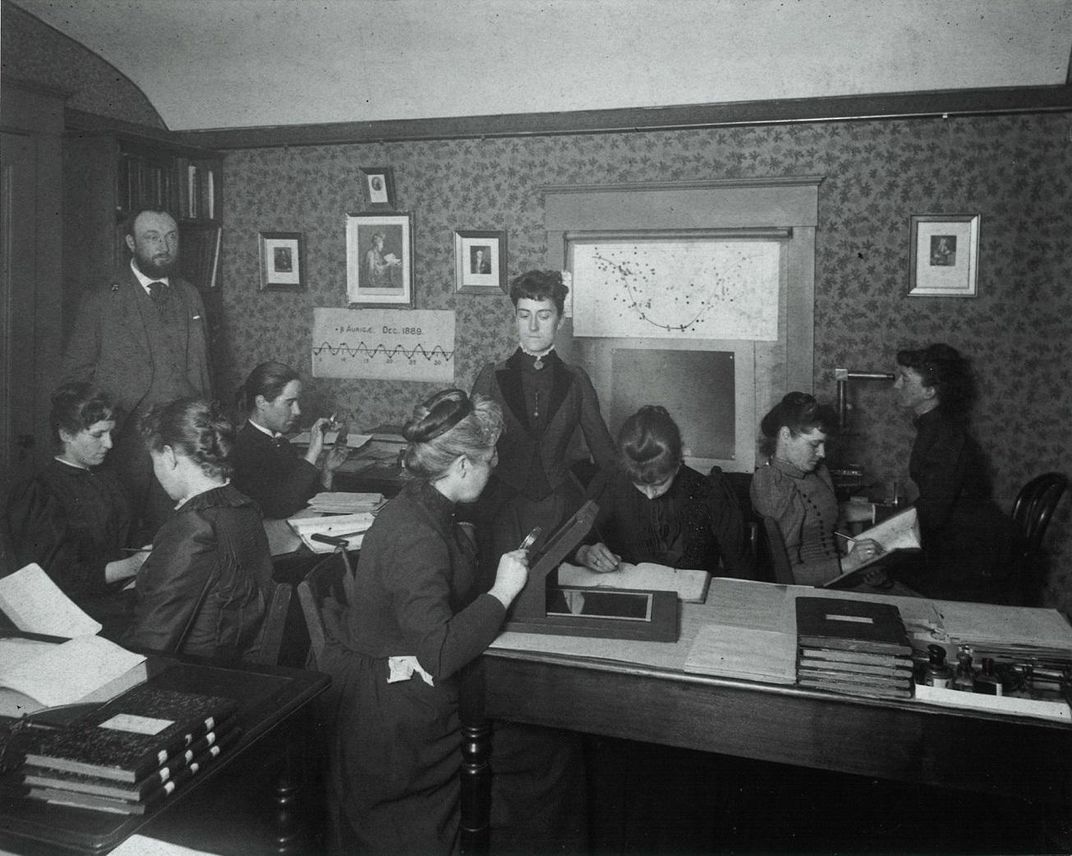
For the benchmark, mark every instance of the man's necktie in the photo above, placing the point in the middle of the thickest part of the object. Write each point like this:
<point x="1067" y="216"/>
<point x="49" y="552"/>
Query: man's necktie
<point x="158" y="291"/>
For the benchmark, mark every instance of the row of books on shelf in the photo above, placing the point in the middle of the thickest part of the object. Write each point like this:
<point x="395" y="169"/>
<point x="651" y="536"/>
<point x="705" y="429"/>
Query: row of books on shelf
<point x="129" y="755"/>
<point x="188" y="186"/>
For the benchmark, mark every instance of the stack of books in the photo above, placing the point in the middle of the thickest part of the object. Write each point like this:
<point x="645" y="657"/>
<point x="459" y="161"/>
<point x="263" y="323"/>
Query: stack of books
<point x="340" y="502"/>
<point x="855" y="647"/>
<point x="131" y="754"/>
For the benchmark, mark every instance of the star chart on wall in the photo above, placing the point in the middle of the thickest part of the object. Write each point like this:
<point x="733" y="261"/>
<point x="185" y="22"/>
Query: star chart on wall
<point x="387" y="344"/>
<point x="704" y="289"/>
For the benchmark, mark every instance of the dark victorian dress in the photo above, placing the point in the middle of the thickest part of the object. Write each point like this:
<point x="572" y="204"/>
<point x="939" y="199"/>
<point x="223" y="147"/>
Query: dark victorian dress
<point x="395" y="746"/>
<point x="697" y="523"/>
<point x="272" y="472"/>
<point x="211" y="550"/>
<point x="73" y="521"/>
<point x="967" y="540"/>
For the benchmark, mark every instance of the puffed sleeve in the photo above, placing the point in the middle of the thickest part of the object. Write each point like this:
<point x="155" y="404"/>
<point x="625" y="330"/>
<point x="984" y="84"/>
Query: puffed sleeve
<point x="38" y="526"/>
<point x="485" y="381"/>
<point x="596" y="435"/>
<point x="444" y="641"/>
<point x="171" y="581"/>
<point x="727" y="524"/>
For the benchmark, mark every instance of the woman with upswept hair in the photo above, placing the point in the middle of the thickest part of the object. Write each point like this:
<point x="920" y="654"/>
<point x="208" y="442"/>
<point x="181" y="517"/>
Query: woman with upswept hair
<point x="417" y="616"/>
<point x="204" y="588"/>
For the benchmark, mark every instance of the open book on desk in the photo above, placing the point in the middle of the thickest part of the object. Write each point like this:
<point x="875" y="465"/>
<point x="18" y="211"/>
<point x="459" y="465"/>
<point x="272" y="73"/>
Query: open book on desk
<point x="41" y="672"/>
<point x="897" y="533"/>
<point x="690" y="585"/>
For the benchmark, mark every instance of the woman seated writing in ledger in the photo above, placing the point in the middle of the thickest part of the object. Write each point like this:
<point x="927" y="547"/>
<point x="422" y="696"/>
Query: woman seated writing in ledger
<point x="654" y="508"/>
<point x="967" y="540"/>
<point x="416" y="618"/>
<point x="795" y="489"/>
<point x="204" y="587"/>
<point x="73" y="518"/>
<point x="268" y="468"/>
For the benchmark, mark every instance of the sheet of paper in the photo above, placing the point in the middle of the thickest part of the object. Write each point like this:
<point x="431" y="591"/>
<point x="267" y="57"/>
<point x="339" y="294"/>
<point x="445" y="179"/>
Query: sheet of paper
<point x="743" y="652"/>
<point x="350" y="526"/>
<point x="66" y="673"/>
<point x="35" y="604"/>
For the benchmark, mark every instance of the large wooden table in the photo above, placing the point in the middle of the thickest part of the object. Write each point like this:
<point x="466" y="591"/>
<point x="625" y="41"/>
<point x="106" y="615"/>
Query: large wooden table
<point x="658" y="702"/>
<point x="270" y="697"/>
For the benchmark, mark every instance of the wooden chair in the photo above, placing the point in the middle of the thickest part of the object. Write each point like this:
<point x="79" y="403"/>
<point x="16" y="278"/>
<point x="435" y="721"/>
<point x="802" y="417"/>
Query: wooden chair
<point x="779" y="556"/>
<point x="1031" y="514"/>
<point x="328" y="580"/>
<point x="274" y="627"/>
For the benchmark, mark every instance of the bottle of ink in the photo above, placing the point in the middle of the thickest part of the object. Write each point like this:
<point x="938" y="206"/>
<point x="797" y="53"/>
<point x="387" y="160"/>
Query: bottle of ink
<point x="937" y="674"/>
<point x="988" y="681"/>
<point x="964" y="677"/>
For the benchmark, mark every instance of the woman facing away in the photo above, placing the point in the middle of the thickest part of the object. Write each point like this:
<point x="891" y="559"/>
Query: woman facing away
<point x="795" y="489"/>
<point x="268" y="468"/>
<point x="204" y="588"/>
<point x="416" y="618"/>
<point x="654" y="508"/>
<point x="73" y="518"/>
<point x="967" y="540"/>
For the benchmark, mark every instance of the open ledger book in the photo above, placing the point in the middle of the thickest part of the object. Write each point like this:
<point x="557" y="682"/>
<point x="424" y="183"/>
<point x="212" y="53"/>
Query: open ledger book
<point x="690" y="585"/>
<point x="899" y="532"/>
<point x="35" y="673"/>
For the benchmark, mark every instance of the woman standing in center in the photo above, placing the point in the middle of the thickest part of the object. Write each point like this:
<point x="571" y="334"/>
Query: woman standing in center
<point x="416" y="618"/>
<point x="544" y="400"/>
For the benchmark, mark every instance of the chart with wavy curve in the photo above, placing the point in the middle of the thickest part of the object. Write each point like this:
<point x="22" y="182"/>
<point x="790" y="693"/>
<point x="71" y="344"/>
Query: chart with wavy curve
<point x="384" y="344"/>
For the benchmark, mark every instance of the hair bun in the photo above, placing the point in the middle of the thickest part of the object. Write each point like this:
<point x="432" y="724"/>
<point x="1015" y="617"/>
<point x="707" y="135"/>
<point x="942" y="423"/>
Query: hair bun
<point x="437" y="415"/>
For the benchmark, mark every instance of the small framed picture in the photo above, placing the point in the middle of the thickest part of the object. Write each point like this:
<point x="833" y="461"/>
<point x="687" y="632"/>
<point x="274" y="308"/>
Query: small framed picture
<point x="379" y="259"/>
<point x="480" y="262"/>
<point x="944" y="255"/>
<point x="282" y="259"/>
<point x="379" y="187"/>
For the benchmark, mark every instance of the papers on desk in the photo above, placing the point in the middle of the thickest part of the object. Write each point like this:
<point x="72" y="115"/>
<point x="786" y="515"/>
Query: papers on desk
<point x="352" y="527"/>
<point x="35" y="675"/>
<point x="690" y="585"/>
<point x="745" y="653"/>
<point x="35" y="604"/>
<point x="346" y="503"/>
<point x="353" y="441"/>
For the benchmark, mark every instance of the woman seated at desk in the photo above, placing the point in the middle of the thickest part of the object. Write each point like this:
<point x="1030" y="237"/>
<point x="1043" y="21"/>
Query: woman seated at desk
<point x="654" y="508"/>
<point x="967" y="540"/>
<point x="203" y="590"/>
<point x="268" y="468"/>
<point x="416" y="618"/>
<point x="73" y="518"/>
<point x="795" y="489"/>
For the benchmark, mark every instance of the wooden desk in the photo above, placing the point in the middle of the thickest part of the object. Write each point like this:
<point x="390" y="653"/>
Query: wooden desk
<point x="268" y="696"/>
<point x="903" y="741"/>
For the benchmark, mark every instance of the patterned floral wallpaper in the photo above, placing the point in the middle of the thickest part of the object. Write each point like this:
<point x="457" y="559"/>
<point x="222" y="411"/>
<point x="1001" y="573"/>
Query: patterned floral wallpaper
<point x="32" y="51"/>
<point x="1016" y="172"/>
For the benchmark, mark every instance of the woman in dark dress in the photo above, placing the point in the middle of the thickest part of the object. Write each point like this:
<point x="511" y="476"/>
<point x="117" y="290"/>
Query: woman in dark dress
<point x="654" y="508"/>
<point x="415" y="619"/>
<point x="204" y="588"/>
<point x="544" y="400"/>
<point x="967" y="540"/>
<point x="73" y="518"/>
<point x="268" y="468"/>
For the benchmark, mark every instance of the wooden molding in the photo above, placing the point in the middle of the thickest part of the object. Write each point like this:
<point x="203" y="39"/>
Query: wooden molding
<point x="779" y="111"/>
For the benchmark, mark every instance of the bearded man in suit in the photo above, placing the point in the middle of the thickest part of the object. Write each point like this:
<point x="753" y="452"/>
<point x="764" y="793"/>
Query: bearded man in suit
<point x="142" y="336"/>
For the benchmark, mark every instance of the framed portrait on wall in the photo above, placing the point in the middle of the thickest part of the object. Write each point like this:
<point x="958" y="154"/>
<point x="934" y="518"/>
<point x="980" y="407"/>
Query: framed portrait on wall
<point x="379" y="187"/>
<point x="944" y="255"/>
<point x="379" y="259"/>
<point x="480" y="262"/>
<point x="282" y="261"/>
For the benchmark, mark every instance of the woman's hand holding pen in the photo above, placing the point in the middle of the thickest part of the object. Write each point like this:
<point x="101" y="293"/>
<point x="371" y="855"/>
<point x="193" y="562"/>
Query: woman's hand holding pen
<point x="860" y="551"/>
<point x="511" y="576"/>
<point x="598" y="558"/>
<point x="128" y="566"/>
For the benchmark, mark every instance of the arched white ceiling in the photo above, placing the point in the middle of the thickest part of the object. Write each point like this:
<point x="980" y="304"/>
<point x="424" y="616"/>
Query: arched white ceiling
<point x="245" y="63"/>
